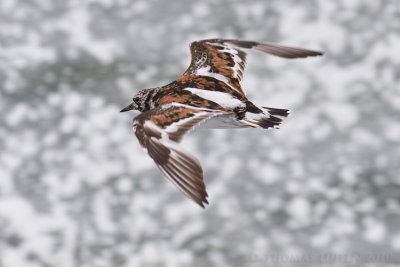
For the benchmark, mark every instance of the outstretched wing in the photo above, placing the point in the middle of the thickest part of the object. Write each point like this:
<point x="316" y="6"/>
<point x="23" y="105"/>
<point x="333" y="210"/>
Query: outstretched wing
<point x="159" y="130"/>
<point x="225" y="60"/>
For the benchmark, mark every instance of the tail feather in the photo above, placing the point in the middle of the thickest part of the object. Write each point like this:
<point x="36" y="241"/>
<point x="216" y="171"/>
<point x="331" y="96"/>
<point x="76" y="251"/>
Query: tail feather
<point x="267" y="119"/>
<point x="277" y="111"/>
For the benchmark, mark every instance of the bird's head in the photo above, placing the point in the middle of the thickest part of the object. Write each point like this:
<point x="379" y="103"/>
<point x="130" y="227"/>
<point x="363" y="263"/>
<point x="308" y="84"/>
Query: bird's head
<point x="138" y="101"/>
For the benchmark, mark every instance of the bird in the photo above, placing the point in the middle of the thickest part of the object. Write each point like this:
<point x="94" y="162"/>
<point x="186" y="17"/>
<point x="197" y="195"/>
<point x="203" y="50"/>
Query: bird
<point x="208" y="94"/>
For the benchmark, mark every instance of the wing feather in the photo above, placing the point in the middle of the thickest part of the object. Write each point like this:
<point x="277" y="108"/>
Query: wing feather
<point x="159" y="130"/>
<point x="224" y="59"/>
<point x="276" y="49"/>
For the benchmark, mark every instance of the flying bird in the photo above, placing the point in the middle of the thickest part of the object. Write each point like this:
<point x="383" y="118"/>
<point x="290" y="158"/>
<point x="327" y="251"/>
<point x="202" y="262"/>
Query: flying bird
<point x="209" y="93"/>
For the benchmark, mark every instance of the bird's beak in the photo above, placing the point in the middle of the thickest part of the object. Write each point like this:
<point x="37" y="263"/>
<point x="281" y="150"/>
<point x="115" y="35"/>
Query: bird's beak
<point x="130" y="107"/>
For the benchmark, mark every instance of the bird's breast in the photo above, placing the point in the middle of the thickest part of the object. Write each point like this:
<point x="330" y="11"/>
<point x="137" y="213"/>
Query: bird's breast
<point x="223" y="121"/>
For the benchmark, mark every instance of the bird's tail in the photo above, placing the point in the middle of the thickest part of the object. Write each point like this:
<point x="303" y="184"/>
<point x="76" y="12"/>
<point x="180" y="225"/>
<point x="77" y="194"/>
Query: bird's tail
<point x="268" y="118"/>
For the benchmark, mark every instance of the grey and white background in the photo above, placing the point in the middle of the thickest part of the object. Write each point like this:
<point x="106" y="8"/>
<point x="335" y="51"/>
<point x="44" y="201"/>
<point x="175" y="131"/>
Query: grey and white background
<point x="77" y="190"/>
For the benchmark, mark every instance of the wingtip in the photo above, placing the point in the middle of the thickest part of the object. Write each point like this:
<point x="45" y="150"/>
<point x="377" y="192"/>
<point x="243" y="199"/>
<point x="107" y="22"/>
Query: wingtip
<point x="319" y="53"/>
<point x="308" y="53"/>
<point x="203" y="203"/>
<point x="287" y="51"/>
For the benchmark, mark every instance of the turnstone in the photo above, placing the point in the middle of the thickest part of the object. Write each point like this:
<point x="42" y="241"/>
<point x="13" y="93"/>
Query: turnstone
<point x="209" y="92"/>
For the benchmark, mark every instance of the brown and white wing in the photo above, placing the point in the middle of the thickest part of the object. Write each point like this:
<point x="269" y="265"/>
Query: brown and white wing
<point x="159" y="130"/>
<point x="225" y="60"/>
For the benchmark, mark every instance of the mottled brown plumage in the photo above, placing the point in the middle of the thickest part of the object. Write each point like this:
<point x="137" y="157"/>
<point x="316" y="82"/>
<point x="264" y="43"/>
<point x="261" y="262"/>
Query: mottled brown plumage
<point x="209" y="92"/>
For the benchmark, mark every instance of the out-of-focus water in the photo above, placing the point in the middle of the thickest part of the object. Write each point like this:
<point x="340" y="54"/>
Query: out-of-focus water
<point x="77" y="190"/>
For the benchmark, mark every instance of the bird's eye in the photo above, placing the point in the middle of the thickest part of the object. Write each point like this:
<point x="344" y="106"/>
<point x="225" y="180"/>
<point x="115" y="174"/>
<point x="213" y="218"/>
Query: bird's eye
<point x="136" y="100"/>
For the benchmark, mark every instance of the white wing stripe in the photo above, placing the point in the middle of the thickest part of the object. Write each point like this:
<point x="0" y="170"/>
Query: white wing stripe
<point x="205" y="71"/>
<point x="223" y="99"/>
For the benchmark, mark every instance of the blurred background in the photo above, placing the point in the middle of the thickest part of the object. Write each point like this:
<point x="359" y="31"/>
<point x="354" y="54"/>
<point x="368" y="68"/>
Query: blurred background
<point x="76" y="189"/>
